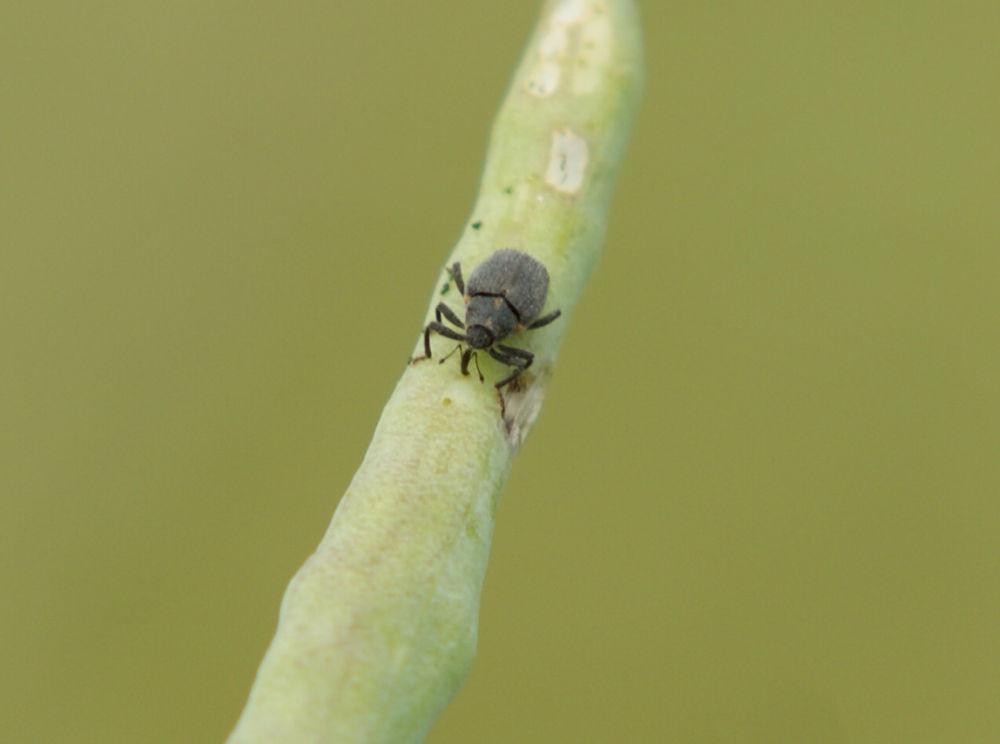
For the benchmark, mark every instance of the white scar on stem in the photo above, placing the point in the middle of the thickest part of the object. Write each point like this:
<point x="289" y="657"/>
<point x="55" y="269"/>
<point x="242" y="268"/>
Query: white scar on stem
<point x="568" y="157"/>
<point x="575" y="46"/>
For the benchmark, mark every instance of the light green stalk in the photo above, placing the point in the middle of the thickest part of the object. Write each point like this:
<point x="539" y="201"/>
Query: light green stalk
<point x="378" y="629"/>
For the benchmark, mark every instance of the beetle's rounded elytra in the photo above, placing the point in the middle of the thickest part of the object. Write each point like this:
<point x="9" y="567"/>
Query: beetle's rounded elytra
<point x="504" y="295"/>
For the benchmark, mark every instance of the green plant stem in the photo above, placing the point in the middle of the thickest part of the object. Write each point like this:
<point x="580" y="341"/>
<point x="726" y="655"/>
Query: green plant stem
<point x="378" y="628"/>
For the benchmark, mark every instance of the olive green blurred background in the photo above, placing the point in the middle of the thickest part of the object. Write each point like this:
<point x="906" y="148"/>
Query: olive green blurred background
<point x="761" y="503"/>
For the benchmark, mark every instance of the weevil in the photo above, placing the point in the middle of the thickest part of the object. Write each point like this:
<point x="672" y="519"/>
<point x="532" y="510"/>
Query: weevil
<point x="504" y="295"/>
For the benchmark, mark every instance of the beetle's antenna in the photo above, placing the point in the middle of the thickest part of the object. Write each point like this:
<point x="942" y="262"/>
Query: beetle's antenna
<point x="446" y="358"/>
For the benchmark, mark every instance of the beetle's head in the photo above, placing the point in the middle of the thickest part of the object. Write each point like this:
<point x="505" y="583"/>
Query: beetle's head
<point x="479" y="337"/>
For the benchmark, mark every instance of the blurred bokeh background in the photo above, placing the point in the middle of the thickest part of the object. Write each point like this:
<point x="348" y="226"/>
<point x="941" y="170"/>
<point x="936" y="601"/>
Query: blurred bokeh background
<point x="761" y="504"/>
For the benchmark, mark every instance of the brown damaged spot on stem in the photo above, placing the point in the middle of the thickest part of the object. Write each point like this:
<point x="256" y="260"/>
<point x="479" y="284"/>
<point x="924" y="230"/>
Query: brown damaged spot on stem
<point x="519" y="408"/>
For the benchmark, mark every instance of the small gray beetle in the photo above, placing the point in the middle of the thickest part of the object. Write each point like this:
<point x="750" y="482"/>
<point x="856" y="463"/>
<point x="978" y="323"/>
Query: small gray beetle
<point x="504" y="295"/>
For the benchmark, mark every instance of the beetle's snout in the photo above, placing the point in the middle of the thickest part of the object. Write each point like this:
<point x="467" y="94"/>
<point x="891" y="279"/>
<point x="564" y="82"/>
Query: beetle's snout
<point x="479" y="337"/>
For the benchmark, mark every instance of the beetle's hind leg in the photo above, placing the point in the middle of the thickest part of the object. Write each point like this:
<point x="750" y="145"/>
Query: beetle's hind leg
<point x="456" y="274"/>
<point x="543" y="321"/>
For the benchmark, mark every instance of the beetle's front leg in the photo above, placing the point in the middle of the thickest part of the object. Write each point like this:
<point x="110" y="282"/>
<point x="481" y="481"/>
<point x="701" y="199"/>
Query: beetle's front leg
<point x="521" y="359"/>
<point x="437" y="328"/>
<point x="470" y="354"/>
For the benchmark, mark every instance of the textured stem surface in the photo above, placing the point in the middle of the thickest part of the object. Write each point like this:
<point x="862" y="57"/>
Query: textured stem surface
<point x="378" y="629"/>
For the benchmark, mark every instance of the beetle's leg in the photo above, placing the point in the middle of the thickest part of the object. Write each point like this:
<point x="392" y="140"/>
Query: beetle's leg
<point x="518" y="358"/>
<point x="470" y="354"/>
<point x="510" y="378"/>
<point x="437" y="328"/>
<point x="447" y="312"/>
<point x="524" y="354"/>
<point x="545" y="320"/>
<point x="456" y="274"/>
